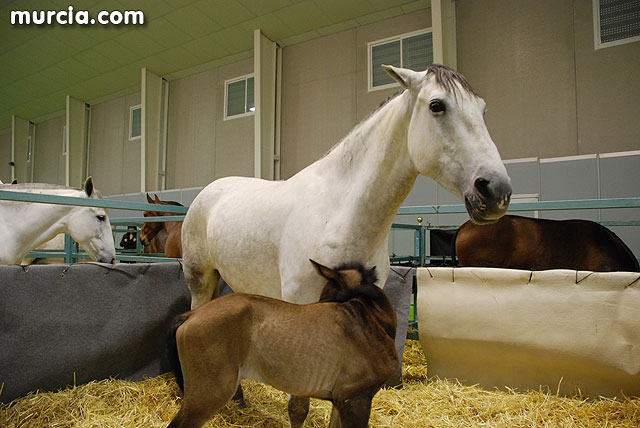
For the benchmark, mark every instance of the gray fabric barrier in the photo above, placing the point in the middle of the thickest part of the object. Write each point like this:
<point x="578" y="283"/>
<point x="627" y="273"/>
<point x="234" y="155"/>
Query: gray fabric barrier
<point x="61" y="324"/>
<point x="65" y="324"/>
<point x="398" y="289"/>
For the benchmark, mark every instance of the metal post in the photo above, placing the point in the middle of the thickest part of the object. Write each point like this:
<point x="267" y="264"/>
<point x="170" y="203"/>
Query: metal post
<point x="68" y="249"/>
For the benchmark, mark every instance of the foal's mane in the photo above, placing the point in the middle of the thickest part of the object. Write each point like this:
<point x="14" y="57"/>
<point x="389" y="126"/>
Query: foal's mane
<point x="367" y="287"/>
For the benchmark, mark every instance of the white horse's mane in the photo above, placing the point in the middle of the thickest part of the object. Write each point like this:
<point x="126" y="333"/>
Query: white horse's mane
<point x="39" y="186"/>
<point x="446" y="77"/>
<point x="364" y="121"/>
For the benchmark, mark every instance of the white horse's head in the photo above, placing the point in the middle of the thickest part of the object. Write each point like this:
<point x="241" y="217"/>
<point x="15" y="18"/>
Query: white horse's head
<point x="91" y="229"/>
<point x="448" y="140"/>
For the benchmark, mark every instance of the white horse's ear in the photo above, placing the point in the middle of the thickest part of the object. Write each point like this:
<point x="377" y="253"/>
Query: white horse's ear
<point x="324" y="271"/>
<point x="408" y="79"/>
<point x="88" y="186"/>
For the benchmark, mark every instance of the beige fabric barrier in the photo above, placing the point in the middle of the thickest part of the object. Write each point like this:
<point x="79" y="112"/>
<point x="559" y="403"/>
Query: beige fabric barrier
<point x="560" y="329"/>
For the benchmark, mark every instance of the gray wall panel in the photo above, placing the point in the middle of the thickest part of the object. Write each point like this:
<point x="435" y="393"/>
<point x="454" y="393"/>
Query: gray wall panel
<point x="619" y="179"/>
<point x="188" y="195"/>
<point x="567" y="179"/>
<point x="524" y="176"/>
<point x="619" y="175"/>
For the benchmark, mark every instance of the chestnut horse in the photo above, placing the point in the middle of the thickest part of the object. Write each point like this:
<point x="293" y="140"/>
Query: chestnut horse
<point x="162" y="236"/>
<point x="517" y="242"/>
<point x="340" y="349"/>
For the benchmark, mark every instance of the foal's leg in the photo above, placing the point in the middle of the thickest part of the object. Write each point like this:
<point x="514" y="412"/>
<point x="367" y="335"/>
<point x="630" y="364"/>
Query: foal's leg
<point x="206" y="392"/>
<point x="202" y="283"/>
<point x="351" y="413"/>
<point x="298" y="408"/>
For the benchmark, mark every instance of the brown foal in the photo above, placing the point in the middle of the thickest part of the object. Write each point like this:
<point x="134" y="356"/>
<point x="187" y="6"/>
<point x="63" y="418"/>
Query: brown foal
<point x="340" y="349"/>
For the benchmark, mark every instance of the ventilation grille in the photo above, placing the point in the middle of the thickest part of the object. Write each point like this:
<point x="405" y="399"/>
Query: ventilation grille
<point x="617" y="21"/>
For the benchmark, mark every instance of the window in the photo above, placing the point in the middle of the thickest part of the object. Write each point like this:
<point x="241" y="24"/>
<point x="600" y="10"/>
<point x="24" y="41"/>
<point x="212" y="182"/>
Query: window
<point x="238" y="95"/>
<point x="135" y="122"/>
<point x="616" y="22"/>
<point x="413" y="50"/>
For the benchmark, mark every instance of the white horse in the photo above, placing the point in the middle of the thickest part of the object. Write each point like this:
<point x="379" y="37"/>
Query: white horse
<point x="26" y="225"/>
<point x="258" y="235"/>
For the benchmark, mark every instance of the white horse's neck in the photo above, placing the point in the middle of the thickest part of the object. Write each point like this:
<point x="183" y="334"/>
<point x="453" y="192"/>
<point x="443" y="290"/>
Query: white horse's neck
<point x="372" y="170"/>
<point x="24" y="225"/>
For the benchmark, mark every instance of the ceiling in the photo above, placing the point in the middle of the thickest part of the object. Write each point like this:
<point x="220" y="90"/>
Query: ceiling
<point x="41" y="64"/>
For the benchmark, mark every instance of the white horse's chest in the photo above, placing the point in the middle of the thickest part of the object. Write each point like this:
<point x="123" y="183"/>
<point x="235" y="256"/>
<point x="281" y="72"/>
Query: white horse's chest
<point x="292" y="228"/>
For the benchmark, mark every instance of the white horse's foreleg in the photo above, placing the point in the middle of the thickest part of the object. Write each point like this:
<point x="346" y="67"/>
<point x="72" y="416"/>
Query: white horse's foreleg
<point x="202" y="283"/>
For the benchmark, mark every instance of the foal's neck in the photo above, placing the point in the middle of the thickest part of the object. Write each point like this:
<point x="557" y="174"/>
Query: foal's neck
<point x="379" y="307"/>
<point x="374" y="168"/>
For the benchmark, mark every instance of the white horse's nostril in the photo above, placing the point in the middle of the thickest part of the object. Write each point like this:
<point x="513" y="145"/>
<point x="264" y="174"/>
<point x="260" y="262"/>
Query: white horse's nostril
<point x="482" y="186"/>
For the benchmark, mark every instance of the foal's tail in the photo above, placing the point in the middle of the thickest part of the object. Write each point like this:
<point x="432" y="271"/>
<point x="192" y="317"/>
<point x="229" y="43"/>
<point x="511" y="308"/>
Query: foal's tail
<point x="172" y="348"/>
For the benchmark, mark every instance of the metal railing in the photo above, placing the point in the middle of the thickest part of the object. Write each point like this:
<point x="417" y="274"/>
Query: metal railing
<point x="419" y="230"/>
<point x="71" y="252"/>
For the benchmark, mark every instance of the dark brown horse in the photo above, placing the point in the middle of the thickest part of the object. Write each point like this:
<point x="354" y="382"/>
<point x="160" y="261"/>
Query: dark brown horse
<point x="340" y="349"/>
<point x="517" y="242"/>
<point x="164" y="236"/>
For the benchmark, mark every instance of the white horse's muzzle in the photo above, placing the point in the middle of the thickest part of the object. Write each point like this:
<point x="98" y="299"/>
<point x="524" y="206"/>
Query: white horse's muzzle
<point x="489" y="199"/>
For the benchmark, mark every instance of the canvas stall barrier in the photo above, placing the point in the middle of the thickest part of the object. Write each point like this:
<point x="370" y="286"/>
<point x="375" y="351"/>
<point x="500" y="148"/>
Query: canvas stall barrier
<point x="66" y="324"/>
<point x="564" y="330"/>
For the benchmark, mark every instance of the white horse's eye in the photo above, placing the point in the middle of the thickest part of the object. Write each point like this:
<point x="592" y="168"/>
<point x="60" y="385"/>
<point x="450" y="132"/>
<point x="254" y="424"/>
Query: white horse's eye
<point x="101" y="217"/>
<point x="437" y="107"/>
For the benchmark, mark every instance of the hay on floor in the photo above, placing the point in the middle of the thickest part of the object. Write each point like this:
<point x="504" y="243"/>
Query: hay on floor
<point x="421" y="403"/>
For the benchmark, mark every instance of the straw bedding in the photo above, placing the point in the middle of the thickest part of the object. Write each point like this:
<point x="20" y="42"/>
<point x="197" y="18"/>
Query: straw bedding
<point x="421" y="403"/>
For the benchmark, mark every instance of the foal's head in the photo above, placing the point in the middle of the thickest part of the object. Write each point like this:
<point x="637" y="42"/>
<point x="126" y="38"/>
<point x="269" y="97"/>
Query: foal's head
<point x="347" y="281"/>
